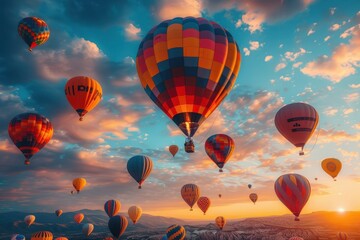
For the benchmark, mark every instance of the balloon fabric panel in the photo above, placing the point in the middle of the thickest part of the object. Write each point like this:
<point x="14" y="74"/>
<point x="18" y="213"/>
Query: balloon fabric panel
<point x="34" y="31"/>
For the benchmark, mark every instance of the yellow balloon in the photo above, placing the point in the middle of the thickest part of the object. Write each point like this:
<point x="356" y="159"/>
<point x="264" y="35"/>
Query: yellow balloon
<point x="331" y="166"/>
<point x="79" y="183"/>
<point x="135" y="213"/>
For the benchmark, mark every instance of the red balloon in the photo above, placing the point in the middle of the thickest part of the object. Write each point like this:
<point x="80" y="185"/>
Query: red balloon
<point x="297" y="122"/>
<point x="219" y="148"/>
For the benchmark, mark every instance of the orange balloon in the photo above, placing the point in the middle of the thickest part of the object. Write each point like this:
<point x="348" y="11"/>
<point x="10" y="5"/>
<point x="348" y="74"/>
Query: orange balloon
<point x="190" y="193"/>
<point x="83" y="93"/>
<point x="79" y="217"/>
<point x="79" y="184"/>
<point x="331" y="166"/>
<point x="173" y="149"/>
<point x="43" y="235"/>
<point x="135" y="213"/>
<point x="253" y="197"/>
<point x="220" y="222"/>
<point x="204" y="204"/>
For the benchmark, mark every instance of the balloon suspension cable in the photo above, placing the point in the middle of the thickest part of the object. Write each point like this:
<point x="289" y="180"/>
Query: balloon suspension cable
<point x="30" y="49"/>
<point x="220" y="170"/>
<point x="301" y="153"/>
<point x="27" y="161"/>
<point x="317" y="135"/>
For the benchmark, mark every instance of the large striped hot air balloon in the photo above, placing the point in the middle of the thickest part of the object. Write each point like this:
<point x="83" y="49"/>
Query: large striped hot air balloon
<point x="135" y="213"/>
<point x="30" y="132"/>
<point x="297" y="122"/>
<point x="342" y="236"/>
<point x="78" y="217"/>
<point x="34" y="31"/>
<point x="17" y="237"/>
<point x="293" y="190"/>
<point x="139" y="167"/>
<point x="175" y="232"/>
<point x="190" y="193"/>
<point x="187" y="66"/>
<point x="219" y="148"/>
<point x="220" y="222"/>
<point x="83" y="94"/>
<point x="204" y="204"/>
<point x="331" y="166"/>
<point x="79" y="184"/>
<point x="43" y="235"/>
<point x="112" y="207"/>
<point x="117" y="225"/>
<point x="29" y="219"/>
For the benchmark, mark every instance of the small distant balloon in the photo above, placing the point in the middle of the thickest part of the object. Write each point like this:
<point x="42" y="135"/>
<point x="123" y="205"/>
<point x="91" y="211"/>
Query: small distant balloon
<point x="253" y="197"/>
<point x="249" y="186"/>
<point x="175" y="232"/>
<point x="204" y="204"/>
<point x="316" y="179"/>
<point x="79" y="184"/>
<point x="173" y="149"/>
<point x="220" y="195"/>
<point x="220" y="222"/>
<point x="17" y="237"/>
<point x="34" y="31"/>
<point x="58" y="212"/>
<point x="87" y="229"/>
<point x="79" y="217"/>
<point x="29" y="219"/>
<point x="331" y="166"/>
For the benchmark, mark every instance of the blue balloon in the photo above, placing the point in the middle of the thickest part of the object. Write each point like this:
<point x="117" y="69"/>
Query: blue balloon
<point x="139" y="168"/>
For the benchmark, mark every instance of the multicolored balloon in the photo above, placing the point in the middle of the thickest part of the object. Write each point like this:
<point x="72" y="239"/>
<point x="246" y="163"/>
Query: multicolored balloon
<point x="175" y="232"/>
<point x="220" y="222"/>
<point x="135" y="213"/>
<point x="342" y="236"/>
<point x="83" y="94"/>
<point x="34" y="31"/>
<point x="30" y="132"/>
<point x="42" y="235"/>
<point x="219" y="148"/>
<point x="331" y="166"/>
<point x="117" y="225"/>
<point x="139" y="167"/>
<point x="58" y="212"/>
<point x="112" y="207"/>
<point x="29" y="219"/>
<point x="187" y="66"/>
<point x="253" y="197"/>
<point x="293" y="190"/>
<point x="190" y="193"/>
<point x="173" y="149"/>
<point x="204" y="204"/>
<point x="79" y="217"/>
<point x="17" y="237"/>
<point x="297" y="122"/>
<point x="79" y="184"/>
<point x="87" y="229"/>
<point x="296" y="238"/>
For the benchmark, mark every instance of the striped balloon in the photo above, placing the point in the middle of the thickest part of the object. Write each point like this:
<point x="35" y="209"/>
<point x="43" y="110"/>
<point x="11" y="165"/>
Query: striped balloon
<point x="117" y="225"/>
<point x="190" y="193"/>
<point x="219" y="148"/>
<point x="187" y="66"/>
<point x="61" y="238"/>
<point x="30" y="132"/>
<point x="139" y="168"/>
<point x="294" y="191"/>
<point x="112" y="207"/>
<point x="342" y="236"/>
<point x="297" y="122"/>
<point x="296" y="238"/>
<point x="34" y="31"/>
<point x="43" y="235"/>
<point x="204" y="204"/>
<point x="17" y="237"/>
<point x="175" y="232"/>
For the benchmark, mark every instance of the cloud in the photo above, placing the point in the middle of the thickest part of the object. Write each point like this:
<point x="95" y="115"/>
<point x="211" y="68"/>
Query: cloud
<point x="254" y="21"/>
<point x="292" y="56"/>
<point x="336" y="136"/>
<point x="335" y="27"/>
<point x="254" y="45"/>
<point x="330" y="111"/>
<point x="340" y="64"/>
<point x="238" y="23"/>
<point x="268" y="58"/>
<point x="326" y="38"/>
<point x="296" y="65"/>
<point x="280" y="66"/>
<point x="332" y="11"/>
<point x="285" y="78"/>
<point x="310" y="32"/>
<point x="352" y="97"/>
<point x="355" y="85"/>
<point x="132" y="32"/>
<point x="246" y="51"/>
<point x="348" y="111"/>
<point x="185" y="8"/>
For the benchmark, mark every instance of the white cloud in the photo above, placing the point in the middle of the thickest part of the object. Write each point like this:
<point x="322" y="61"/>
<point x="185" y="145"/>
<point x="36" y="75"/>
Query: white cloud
<point x="268" y="58"/>
<point x="254" y="45"/>
<point x="355" y="85"/>
<point x="292" y="56"/>
<point x="352" y="97"/>
<point x="246" y="51"/>
<point x="253" y="20"/>
<point x="296" y="65"/>
<point x="238" y="23"/>
<point x="285" y="78"/>
<point x="335" y="27"/>
<point x="348" y="111"/>
<point x="132" y="32"/>
<point x="280" y="66"/>
<point x="184" y="8"/>
<point x="310" y="32"/>
<point x="330" y="111"/>
<point x="326" y="39"/>
<point x="332" y="11"/>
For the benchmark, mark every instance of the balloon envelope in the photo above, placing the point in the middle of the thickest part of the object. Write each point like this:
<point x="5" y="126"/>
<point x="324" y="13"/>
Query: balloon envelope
<point x="175" y="232"/>
<point x="139" y="167"/>
<point x="342" y="236"/>
<point x="297" y="122"/>
<point x="42" y="235"/>
<point x="293" y="190"/>
<point x="204" y="204"/>
<point x="220" y="222"/>
<point x="187" y="66"/>
<point x="34" y="31"/>
<point x="173" y="149"/>
<point x="219" y="148"/>
<point x="83" y="94"/>
<point x="30" y="132"/>
<point x="117" y="225"/>
<point x="58" y="212"/>
<point x="253" y="197"/>
<point x="135" y="213"/>
<point x="190" y="193"/>
<point x="87" y="229"/>
<point x="79" y="184"/>
<point x="112" y="207"/>
<point x="79" y="217"/>
<point x="29" y="219"/>
<point x="331" y="166"/>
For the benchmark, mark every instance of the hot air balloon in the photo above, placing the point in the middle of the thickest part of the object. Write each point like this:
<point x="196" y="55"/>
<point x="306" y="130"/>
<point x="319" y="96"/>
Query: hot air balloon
<point x="220" y="222"/>
<point x="173" y="149"/>
<point x="219" y="148"/>
<point x="139" y="168"/>
<point x="112" y="207"/>
<point x="296" y="238"/>
<point x="117" y="225"/>
<point x="79" y="184"/>
<point x="297" y="122"/>
<point x="58" y="212"/>
<point x="34" y="31"/>
<point x="134" y="213"/>
<point x="79" y="217"/>
<point x="108" y="238"/>
<point x="61" y="238"/>
<point x="87" y="229"/>
<point x="293" y="190"/>
<point x="30" y="132"/>
<point x="43" y="235"/>
<point x="190" y="193"/>
<point x="187" y="66"/>
<point x="164" y="237"/>
<point x="253" y="197"/>
<point x="316" y="179"/>
<point x="342" y="236"/>
<point x="219" y="195"/>
<point x="29" y="219"/>
<point x="83" y="94"/>
<point x="175" y="232"/>
<point x="249" y="186"/>
<point x="204" y="204"/>
<point x="331" y="166"/>
<point x="17" y="237"/>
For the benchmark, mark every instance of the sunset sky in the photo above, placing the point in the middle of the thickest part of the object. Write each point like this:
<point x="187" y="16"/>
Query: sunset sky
<point x="292" y="51"/>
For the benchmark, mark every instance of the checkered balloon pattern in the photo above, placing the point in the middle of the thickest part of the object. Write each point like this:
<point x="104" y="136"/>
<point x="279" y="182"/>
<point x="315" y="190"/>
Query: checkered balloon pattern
<point x="34" y="31"/>
<point x="219" y="148"/>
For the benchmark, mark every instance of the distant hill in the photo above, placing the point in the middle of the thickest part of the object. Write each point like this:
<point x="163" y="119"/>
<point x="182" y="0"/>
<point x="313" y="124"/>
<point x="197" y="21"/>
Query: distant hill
<point x="317" y="225"/>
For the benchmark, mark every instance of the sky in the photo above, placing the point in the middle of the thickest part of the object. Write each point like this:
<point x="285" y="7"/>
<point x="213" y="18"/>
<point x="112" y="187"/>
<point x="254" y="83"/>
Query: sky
<point x="292" y="51"/>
